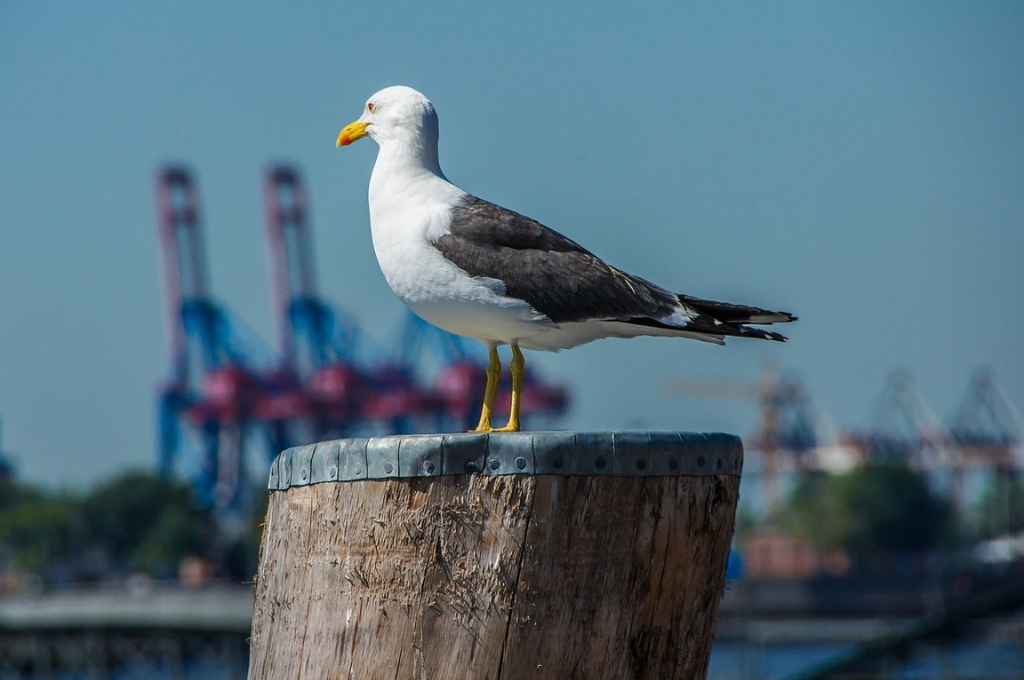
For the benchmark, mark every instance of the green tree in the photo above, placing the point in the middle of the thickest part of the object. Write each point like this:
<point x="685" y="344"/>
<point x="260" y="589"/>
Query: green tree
<point x="13" y="493"/>
<point x="146" y="522"/>
<point x="35" y="531"/>
<point x="875" y="509"/>
<point x="134" y="522"/>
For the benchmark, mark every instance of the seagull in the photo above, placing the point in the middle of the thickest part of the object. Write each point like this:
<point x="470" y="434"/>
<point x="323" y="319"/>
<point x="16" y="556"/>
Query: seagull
<point x="478" y="270"/>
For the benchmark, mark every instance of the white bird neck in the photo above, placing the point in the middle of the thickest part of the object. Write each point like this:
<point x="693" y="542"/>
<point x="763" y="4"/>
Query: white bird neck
<point x="403" y="165"/>
<point x="400" y="163"/>
<point x="407" y="152"/>
<point x="407" y="177"/>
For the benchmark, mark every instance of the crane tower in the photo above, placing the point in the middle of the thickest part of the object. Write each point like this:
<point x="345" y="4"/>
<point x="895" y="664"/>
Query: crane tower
<point x="212" y="396"/>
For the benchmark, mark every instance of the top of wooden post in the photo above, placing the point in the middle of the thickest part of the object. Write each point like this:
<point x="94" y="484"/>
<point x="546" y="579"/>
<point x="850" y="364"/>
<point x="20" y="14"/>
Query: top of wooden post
<point x="620" y="454"/>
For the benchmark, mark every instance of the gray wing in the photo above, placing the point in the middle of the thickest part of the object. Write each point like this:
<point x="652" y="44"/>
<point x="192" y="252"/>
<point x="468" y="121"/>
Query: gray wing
<point x="567" y="283"/>
<point x="555" y="275"/>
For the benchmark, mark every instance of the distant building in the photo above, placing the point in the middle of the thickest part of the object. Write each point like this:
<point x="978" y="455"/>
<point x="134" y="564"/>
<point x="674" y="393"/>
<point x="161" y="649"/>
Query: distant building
<point x="768" y="553"/>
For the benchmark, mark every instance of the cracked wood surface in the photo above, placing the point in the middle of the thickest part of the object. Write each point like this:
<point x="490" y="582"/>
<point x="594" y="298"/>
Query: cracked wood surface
<point x="502" y="577"/>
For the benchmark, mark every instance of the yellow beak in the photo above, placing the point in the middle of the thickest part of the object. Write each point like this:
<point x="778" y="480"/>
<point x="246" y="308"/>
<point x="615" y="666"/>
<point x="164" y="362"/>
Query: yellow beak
<point x="352" y="132"/>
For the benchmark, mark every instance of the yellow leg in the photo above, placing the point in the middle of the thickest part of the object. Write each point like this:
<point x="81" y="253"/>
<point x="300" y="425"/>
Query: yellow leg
<point x="517" y="368"/>
<point x="490" y="391"/>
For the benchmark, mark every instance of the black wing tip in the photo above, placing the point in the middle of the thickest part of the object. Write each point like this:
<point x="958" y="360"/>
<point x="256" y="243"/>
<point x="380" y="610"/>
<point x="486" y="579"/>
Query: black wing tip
<point x="727" y="312"/>
<point x="761" y="334"/>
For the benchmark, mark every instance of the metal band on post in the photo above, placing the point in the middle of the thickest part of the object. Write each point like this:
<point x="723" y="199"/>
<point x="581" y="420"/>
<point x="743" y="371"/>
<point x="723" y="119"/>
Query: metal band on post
<point x="616" y="454"/>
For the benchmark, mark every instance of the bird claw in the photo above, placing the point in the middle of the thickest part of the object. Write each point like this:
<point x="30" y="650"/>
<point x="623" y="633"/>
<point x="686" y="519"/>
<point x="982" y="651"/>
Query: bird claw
<point x="488" y="430"/>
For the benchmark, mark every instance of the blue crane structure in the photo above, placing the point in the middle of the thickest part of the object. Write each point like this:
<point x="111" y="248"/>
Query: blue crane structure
<point x="979" y="444"/>
<point x="986" y="420"/>
<point x="985" y="426"/>
<point x="903" y="427"/>
<point x="225" y="397"/>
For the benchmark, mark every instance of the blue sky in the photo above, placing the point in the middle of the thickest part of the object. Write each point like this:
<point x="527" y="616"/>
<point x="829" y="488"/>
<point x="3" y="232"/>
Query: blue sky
<point x="859" y="164"/>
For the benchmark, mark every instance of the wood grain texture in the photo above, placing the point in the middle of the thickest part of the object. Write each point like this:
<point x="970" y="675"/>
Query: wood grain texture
<point x="501" y="577"/>
<point x="641" y="569"/>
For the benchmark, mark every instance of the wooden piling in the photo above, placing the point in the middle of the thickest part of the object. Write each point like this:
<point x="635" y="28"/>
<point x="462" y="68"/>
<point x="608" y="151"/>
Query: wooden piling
<point x="503" y="556"/>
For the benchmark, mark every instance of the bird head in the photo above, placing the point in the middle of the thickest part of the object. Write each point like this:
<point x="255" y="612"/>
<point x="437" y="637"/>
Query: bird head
<point x="395" y="114"/>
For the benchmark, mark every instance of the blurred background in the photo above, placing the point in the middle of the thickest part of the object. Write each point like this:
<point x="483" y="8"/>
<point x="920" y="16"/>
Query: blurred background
<point x="187" y="286"/>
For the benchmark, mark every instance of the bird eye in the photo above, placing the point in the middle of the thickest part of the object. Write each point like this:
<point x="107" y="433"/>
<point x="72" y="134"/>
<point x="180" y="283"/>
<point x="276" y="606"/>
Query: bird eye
<point x="370" y="106"/>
